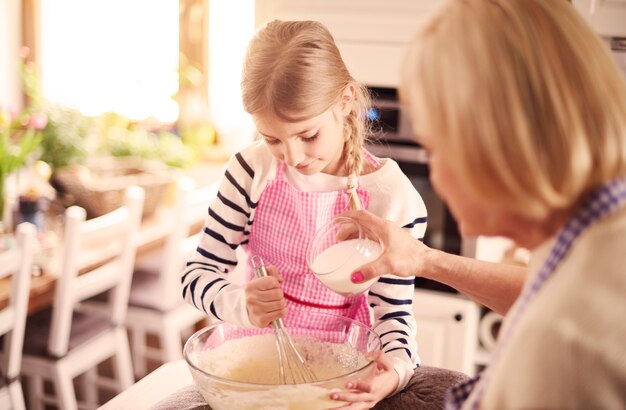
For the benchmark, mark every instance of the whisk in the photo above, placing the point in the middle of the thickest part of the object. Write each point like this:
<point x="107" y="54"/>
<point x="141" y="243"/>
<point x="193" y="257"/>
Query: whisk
<point x="291" y="364"/>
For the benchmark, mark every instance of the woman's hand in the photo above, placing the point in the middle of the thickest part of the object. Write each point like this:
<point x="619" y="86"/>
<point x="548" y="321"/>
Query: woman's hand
<point x="402" y="254"/>
<point x="264" y="298"/>
<point x="365" y="393"/>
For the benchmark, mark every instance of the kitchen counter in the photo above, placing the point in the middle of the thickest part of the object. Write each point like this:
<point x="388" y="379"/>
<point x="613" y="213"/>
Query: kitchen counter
<point x="153" y="388"/>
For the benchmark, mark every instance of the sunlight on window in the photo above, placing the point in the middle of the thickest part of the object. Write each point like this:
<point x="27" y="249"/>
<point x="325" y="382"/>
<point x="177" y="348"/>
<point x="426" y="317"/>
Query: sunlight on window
<point x="111" y="55"/>
<point x="9" y="50"/>
<point x="231" y="26"/>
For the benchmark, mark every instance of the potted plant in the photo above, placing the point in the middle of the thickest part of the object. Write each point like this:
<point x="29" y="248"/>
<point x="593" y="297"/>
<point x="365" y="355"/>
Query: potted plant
<point x="20" y="136"/>
<point x="65" y="139"/>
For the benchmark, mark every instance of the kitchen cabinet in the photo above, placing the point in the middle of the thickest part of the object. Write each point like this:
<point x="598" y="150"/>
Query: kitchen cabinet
<point x="607" y="17"/>
<point x="371" y="35"/>
<point x="447" y="327"/>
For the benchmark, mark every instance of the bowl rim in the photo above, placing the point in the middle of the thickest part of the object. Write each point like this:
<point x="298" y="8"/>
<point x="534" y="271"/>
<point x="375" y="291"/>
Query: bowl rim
<point x="260" y="385"/>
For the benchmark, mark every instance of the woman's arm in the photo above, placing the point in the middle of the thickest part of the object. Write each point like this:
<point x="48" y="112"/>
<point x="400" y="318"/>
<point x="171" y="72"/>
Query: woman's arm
<point x="493" y="285"/>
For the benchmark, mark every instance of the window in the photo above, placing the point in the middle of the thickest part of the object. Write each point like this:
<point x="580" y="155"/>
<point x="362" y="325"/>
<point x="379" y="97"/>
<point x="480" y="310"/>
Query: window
<point x="111" y="55"/>
<point x="9" y="49"/>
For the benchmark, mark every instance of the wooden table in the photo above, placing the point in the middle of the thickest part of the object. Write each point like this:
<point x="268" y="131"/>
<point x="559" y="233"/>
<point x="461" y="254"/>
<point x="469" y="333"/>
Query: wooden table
<point x="151" y="235"/>
<point x="152" y="232"/>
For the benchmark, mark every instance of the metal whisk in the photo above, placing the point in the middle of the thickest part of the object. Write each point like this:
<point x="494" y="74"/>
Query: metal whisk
<point x="291" y="364"/>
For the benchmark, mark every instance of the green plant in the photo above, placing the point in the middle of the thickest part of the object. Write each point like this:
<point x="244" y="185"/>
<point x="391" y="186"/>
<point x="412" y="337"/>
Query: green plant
<point x="121" y="137"/>
<point x="65" y="138"/>
<point x="19" y="138"/>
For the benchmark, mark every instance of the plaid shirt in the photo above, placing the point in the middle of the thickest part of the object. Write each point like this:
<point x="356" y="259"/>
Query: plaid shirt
<point x="597" y="205"/>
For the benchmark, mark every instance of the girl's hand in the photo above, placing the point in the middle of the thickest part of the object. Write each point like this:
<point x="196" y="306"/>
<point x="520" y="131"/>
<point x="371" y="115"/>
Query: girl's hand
<point x="402" y="254"/>
<point x="264" y="298"/>
<point x="365" y="393"/>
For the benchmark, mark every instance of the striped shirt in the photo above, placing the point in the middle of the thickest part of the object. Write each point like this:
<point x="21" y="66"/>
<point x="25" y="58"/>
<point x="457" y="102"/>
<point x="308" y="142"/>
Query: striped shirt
<point x="229" y="223"/>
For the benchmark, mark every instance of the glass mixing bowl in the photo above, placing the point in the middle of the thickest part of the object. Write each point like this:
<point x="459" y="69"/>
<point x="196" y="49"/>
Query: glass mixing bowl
<point x="337" y="249"/>
<point x="333" y="346"/>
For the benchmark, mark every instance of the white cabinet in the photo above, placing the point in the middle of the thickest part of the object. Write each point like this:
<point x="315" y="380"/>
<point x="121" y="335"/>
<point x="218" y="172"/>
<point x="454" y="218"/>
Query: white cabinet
<point x="446" y="330"/>
<point x="371" y="35"/>
<point x="608" y="17"/>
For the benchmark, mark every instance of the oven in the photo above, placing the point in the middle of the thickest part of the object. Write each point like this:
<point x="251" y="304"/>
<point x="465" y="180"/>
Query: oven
<point x="393" y="138"/>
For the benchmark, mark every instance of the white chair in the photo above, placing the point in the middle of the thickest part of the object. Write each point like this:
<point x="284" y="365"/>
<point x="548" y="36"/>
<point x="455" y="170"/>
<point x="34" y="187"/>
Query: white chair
<point x="65" y="342"/>
<point x="156" y="305"/>
<point x="17" y="263"/>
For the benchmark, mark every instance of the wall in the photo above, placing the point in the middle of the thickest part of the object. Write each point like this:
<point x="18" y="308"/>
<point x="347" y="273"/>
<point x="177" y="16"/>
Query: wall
<point x="607" y="17"/>
<point x="372" y="35"/>
<point x="231" y="25"/>
<point x="10" y="17"/>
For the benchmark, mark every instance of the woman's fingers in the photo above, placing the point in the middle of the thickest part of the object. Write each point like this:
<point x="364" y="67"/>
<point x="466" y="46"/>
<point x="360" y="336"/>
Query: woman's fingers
<point x="370" y="270"/>
<point x="402" y="254"/>
<point x="347" y="231"/>
<point x="363" y="217"/>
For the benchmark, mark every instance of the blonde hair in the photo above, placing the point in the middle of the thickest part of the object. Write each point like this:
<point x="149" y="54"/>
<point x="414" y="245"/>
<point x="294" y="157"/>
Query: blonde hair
<point x="525" y="99"/>
<point x="294" y="70"/>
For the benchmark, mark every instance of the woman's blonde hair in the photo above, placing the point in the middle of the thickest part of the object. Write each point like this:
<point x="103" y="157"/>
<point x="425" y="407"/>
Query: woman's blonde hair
<point x="524" y="98"/>
<point x="294" y="70"/>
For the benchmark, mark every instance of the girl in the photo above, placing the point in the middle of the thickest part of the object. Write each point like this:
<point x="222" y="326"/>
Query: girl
<point x="311" y="116"/>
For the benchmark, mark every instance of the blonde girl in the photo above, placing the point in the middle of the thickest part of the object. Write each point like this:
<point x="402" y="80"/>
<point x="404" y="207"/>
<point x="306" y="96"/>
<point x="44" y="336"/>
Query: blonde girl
<point x="309" y="165"/>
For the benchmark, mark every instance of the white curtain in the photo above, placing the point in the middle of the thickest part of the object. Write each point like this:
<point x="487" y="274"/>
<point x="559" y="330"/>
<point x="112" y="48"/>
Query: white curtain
<point x="111" y="55"/>
<point x="9" y="54"/>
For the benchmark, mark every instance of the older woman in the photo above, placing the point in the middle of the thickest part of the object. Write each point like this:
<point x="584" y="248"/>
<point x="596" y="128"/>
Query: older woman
<point x="523" y="113"/>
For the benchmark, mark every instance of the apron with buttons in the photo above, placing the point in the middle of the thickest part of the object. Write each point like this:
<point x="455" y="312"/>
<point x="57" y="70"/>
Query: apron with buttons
<point x="285" y="222"/>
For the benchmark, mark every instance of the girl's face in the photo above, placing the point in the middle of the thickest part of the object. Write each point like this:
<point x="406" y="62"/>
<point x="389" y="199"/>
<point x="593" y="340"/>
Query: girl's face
<point x="310" y="146"/>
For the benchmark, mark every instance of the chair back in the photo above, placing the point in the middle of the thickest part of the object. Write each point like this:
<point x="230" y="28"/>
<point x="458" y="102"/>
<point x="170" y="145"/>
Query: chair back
<point x="191" y="208"/>
<point x="98" y="256"/>
<point x="16" y="262"/>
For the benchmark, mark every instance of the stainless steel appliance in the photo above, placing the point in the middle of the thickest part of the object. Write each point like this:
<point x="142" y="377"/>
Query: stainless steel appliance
<point x="618" y="50"/>
<point x="393" y="138"/>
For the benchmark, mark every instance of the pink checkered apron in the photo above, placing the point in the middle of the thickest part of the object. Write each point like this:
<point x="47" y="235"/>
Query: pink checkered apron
<point x="284" y="224"/>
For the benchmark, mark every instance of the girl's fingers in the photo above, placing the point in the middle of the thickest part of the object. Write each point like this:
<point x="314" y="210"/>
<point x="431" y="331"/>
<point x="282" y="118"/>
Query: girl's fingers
<point x="273" y="272"/>
<point x="271" y="295"/>
<point x="361" y="386"/>
<point x="352" y="396"/>
<point x="266" y="283"/>
<point x="263" y="318"/>
<point x="266" y="301"/>
<point x="264" y="298"/>
<point x="383" y="362"/>
<point x="275" y="315"/>
<point x="272" y="306"/>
